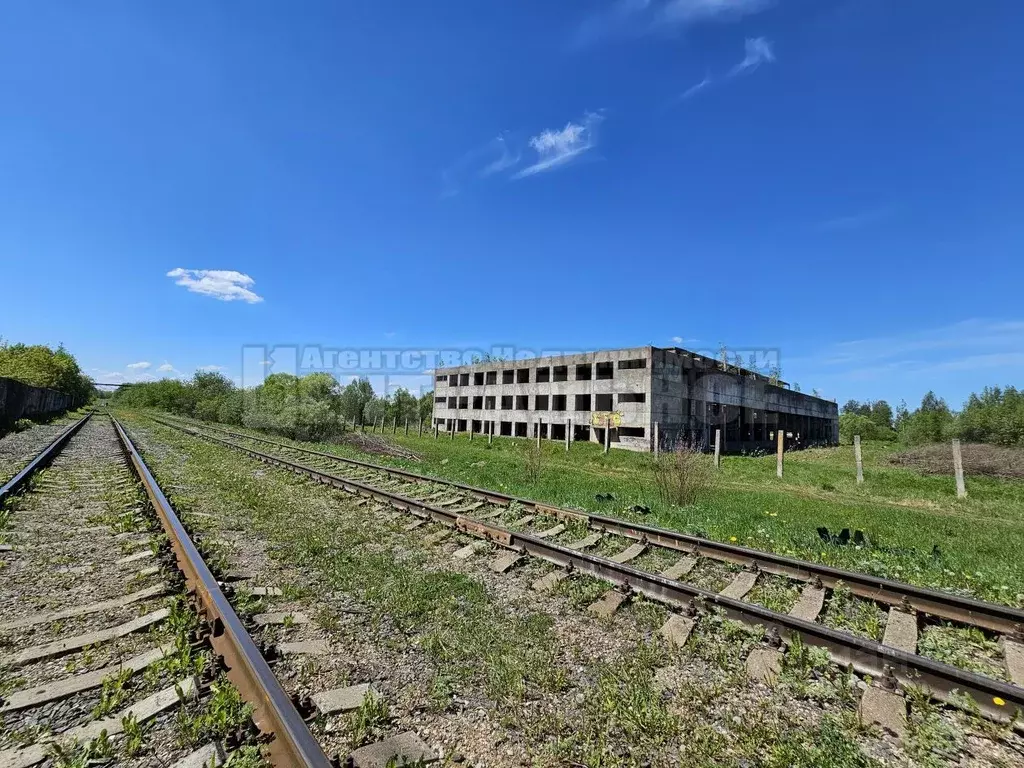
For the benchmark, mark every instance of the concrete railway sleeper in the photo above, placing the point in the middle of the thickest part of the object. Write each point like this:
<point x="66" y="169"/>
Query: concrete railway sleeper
<point x="104" y="655"/>
<point x="891" y="663"/>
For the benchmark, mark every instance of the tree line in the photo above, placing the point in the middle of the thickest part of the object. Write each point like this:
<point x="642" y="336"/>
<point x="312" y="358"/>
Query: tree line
<point x="40" y="366"/>
<point x="995" y="416"/>
<point x="311" y="407"/>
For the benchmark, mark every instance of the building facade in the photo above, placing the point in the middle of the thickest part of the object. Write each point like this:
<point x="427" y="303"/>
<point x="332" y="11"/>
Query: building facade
<point x="640" y="394"/>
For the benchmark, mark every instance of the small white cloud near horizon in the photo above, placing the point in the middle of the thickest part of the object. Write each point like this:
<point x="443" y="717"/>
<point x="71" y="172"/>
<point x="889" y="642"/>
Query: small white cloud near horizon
<point x="141" y="366"/>
<point x="757" y="51"/>
<point x="221" y="284"/>
<point x="165" y="368"/>
<point x="556" y="148"/>
<point x="212" y="368"/>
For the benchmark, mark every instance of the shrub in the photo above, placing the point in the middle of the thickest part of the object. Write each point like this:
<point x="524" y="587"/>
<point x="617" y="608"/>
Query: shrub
<point x="684" y="475"/>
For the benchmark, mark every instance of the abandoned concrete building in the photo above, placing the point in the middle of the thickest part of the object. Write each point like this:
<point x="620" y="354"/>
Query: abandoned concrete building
<point x="679" y="396"/>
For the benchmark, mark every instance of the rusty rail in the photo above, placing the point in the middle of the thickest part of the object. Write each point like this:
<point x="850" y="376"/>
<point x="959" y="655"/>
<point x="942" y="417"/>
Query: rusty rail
<point x="292" y="745"/>
<point x="865" y="656"/>
<point x="43" y="459"/>
<point x="944" y="605"/>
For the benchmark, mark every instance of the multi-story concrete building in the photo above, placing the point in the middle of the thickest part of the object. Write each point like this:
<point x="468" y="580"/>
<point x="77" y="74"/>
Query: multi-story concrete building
<point x="636" y="393"/>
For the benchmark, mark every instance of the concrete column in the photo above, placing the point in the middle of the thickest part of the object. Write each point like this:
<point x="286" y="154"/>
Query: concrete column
<point x="718" y="449"/>
<point x="780" y="436"/>
<point x="857" y="456"/>
<point x="958" y="469"/>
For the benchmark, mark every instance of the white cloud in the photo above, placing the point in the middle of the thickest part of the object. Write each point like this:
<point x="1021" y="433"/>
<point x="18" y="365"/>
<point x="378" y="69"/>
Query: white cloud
<point x="638" y="18"/>
<point x="211" y="368"/>
<point x="693" y="90"/>
<point x="222" y="284"/>
<point x="138" y="366"/>
<point x="165" y="368"/>
<point x="757" y="51"/>
<point x="556" y="148"/>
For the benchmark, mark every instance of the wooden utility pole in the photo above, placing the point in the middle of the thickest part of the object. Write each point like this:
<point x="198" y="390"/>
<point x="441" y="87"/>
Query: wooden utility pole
<point x="718" y="449"/>
<point x="860" y="461"/>
<point x="958" y="468"/>
<point x="778" y="462"/>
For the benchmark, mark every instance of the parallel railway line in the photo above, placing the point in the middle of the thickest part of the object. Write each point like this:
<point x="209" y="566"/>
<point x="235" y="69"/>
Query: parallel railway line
<point x="72" y="636"/>
<point x="891" y="663"/>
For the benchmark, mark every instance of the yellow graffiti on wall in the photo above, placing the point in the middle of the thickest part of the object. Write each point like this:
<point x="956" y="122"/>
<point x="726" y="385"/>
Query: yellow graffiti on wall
<point x="605" y="418"/>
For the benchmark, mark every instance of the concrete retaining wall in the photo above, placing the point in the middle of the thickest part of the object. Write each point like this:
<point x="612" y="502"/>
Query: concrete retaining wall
<point x="21" y="401"/>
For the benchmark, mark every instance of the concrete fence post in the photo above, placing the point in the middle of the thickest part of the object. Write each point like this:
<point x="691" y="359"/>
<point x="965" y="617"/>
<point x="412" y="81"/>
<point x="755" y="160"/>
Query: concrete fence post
<point x="406" y="426"/>
<point x="537" y="427"/>
<point x="451" y="432"/>
<point x="778" y="461"/>
<point x="607" y="434"/>
<point x="958" y="469"/>
<point x="568" y="434"/>
<point x="657" y="439"/>
<point x="718" y="449"/>
<point x="490" y="432"/>
<point x="421" y="428"/>
<point x="435" y="430"/>
<point x="394" y="426"/>
<point x="470" y="430"/>
<point x="859" y="459"/>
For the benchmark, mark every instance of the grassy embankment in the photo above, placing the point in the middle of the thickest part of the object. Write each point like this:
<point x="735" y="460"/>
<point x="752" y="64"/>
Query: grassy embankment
<point x="918" y="530"/>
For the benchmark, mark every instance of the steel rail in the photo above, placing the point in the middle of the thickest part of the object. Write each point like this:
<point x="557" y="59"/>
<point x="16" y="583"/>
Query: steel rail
<point x="42" y="459"/>
<point x="945" y="605"/>
<point x="865" y="656"/>
<point x="292" y="745"/>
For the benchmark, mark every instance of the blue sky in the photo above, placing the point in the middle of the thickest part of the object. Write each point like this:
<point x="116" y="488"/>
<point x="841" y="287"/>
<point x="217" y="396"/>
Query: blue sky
<point x="840" y="181"/>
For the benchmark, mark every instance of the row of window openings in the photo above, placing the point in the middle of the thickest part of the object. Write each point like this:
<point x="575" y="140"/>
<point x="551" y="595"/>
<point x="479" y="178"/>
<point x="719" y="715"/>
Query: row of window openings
<point x="583" y="372"/>
<point x="523" y="429"/>
<point x="540" y="402"/>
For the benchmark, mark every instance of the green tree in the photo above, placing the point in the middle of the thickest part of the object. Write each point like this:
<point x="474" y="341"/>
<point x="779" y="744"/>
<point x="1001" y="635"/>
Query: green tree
<point x="354" y="398"/>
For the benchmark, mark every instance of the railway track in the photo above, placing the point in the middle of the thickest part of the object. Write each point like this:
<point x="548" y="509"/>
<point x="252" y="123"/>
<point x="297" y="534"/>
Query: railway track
<point x="664" y="565"/>
<point x="19" y="449"/>
<point x="111" y="619"/>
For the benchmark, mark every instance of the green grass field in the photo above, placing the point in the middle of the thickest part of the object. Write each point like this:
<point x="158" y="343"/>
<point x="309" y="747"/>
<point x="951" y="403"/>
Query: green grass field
<point x="918" y="531"/>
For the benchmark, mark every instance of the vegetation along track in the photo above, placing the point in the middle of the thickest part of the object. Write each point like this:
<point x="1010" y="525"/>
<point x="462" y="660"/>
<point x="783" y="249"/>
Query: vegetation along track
<point x="102" y="657"/>
<point x="718" y="575"/>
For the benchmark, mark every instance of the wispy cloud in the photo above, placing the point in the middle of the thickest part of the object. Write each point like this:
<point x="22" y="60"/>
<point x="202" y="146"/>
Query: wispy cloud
<point x="638" y="18"/>
<point x="757" y="51"/>
<point x="857" y="220"/>
<point x="141" y="366"/>
<point x="222" y="284"/>
<point x="211" y="368"/>
<point x="165" y="368"/>
<point x="693" y="90"/>
<point x="907" y="364"/>
<point x="555" y="148"/>
<point x="495" y="156"/>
